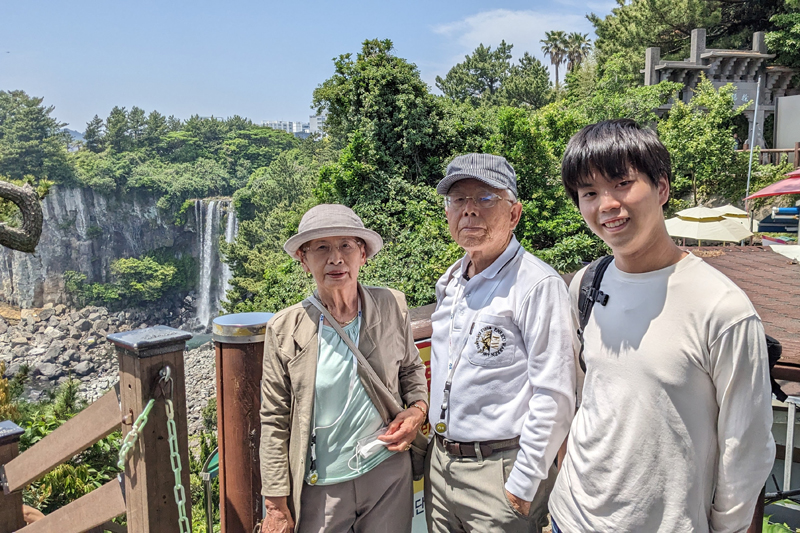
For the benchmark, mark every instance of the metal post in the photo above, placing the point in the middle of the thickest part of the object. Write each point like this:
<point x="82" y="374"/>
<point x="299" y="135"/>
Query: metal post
<point x="788" y="456"/>
<point x="11" y="518"/>
<point x="753" y="137"/>
<point x="149" y="479"/>
<point x="239" y="343"/>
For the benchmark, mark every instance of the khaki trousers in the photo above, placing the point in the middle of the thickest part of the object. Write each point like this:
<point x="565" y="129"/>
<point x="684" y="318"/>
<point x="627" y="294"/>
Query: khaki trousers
<point x="380" y="501"/>
<point x="467" y="495"/>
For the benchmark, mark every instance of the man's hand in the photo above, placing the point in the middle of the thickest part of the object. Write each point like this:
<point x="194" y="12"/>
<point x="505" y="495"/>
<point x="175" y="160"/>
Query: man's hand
<point x="521" y="506"/>
<point x="403" y="429"/>
<point x="278" y="519"/>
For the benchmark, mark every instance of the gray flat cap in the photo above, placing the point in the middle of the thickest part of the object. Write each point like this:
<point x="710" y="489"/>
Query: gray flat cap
<point x="492" y="170"/>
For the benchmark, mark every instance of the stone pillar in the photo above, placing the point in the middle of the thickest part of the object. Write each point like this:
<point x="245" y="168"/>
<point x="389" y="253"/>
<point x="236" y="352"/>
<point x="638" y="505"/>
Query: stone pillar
<point x="698" y="45"/>
<point x="652" y="57"/>
<point x="759" y="44"/>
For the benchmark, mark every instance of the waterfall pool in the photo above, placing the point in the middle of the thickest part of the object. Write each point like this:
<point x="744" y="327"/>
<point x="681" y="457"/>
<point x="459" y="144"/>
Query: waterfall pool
<point x="198" y="339"/>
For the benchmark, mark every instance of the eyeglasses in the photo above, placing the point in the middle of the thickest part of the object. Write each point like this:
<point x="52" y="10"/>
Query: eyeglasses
<point x="485" y="200"/>
<point x="346" y="247"/>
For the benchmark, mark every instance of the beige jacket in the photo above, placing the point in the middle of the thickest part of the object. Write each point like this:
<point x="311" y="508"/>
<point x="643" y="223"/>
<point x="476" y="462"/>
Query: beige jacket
<point x="289" y="377"/>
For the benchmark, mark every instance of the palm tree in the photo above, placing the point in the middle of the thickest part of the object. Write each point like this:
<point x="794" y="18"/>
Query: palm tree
<point x="578" y="47"/>
<point x="555" y="46"/>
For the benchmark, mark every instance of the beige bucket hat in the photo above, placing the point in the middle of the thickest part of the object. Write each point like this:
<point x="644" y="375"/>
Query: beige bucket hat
<point x="332" y="220"/>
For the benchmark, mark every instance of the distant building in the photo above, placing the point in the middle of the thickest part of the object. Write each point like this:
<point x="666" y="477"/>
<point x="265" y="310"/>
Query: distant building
<point x="317" y="123"/>
<point x="742" y="68"/>
<point x="287" y="126"/>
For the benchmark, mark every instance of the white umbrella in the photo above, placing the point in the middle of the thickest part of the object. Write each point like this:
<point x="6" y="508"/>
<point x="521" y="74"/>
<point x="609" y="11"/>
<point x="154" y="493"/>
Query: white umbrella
<point x="731" y="211"/>
<point x="706" y="224"/>
<point x="734" y="213"/>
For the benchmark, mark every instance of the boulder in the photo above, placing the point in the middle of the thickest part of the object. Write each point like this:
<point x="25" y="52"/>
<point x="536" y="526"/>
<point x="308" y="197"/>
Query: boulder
<point x="3" y="326"/>
<point x="48" y="305"/>
<point x="54" y="322"/>
<point x="52" y="353"/>
<point x="19" y="351"/>
<point x="94" y="316"/>
<point x="45" y="314"/>
<point x="74" y="333"/>
<point x="12" y="370"/>
<point x="85" y="357"/>
<point x="101" y="325"/>
<point x="84" y="368"/>
<point x="74" y="316"/>
<point x="83" y="325"/>
<point x="49" y="370"/>
<point x="54" y="333"/>
<point x="60" y="308"/>
<point x="19" y="341"/>
<point x="70" y="354"/>
<point x="36" y="352"/>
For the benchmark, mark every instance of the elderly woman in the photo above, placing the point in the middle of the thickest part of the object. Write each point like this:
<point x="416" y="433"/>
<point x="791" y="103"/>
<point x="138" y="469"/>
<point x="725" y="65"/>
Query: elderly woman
<point x="331" y="454"/>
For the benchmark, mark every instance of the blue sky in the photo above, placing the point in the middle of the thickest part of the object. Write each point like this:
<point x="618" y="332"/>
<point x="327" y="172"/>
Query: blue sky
<point x="261" y="60"/>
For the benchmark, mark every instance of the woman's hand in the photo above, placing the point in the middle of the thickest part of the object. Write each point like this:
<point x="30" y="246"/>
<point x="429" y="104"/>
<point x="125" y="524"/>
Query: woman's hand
<point x="278" y="519"/>
<point x="403" y="429"/>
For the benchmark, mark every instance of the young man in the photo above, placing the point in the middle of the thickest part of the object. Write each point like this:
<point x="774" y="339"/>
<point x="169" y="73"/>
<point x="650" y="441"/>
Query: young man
<point x="502" y="363"/>
<point x="673" y="433"/>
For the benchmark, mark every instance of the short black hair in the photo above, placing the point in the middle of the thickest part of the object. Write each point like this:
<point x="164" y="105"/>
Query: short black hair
<point x="611" y="148"/>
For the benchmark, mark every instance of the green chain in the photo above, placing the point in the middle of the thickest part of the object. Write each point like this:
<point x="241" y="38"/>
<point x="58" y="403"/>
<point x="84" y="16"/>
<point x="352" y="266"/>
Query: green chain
<point x="175" y="462"/>
<point x="133" y="434"/>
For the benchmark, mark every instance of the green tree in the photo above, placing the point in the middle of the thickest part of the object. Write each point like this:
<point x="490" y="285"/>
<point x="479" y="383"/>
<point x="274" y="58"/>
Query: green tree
<point x="699" y="137"/>
<point x="32" y="145"/>
<point x="785" y="40"/>
<point x="143" y="280"/>
<point x="479" y="78"/>
<point x="155" y="129"/>
<point x="382" y="99"/>
<point x="137" y="122"/>
<point x="117" y="130"/>
<point x="637" y="24"/>
<point x="578" y="47"/>
<point x="259" y="145"/>
<point x="93" y="136"/>
<point x="527" y="84"/>
<point x="554" y="45"/>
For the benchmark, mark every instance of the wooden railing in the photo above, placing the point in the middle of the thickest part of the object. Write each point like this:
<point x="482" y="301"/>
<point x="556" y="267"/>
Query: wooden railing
<point x="145" y="491"/>
<point x="772" y="156"/>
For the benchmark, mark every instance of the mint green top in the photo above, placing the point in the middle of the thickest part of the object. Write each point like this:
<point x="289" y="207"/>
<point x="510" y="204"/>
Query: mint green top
<point x="336" y="445"/>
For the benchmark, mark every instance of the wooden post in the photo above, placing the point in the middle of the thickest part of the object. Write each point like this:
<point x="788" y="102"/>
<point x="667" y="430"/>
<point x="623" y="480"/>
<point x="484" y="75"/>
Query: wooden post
<point x="239" y="343"/>
<point x="796" y="161"/>
<point x="11" y="518"/>
<point x="149" y="480"/>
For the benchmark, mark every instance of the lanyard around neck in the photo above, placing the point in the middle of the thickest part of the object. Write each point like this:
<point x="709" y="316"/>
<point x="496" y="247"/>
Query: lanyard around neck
<point x="312" y="474"/>
<point x="455" y="357"/>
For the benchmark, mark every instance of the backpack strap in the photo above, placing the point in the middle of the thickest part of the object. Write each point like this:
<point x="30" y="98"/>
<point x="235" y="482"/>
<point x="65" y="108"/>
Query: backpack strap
<point x="590" y="294"/>
<point x="774" y="352"/>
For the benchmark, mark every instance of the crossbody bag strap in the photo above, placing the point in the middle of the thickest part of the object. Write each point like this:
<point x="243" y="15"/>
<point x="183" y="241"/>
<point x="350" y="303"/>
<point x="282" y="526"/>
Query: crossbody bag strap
<point x="376" y="381"/>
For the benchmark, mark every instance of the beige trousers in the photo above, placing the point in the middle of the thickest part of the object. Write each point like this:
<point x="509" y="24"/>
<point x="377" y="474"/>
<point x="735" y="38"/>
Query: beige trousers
<point x="467" y="495"/>
<point x="380" y="501"/>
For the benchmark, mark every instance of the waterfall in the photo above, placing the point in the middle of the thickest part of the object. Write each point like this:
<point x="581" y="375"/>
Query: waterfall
<point x="214" y="279"/>
<point x="231" y="229"/>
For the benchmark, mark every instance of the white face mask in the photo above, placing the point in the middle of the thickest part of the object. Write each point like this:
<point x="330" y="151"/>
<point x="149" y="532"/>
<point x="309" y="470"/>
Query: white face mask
<point x="366" y="447"/>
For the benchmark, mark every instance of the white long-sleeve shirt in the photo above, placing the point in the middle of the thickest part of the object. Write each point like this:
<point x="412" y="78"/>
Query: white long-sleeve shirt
<point x="516" y="374"/>
<point x="674" y="430"/>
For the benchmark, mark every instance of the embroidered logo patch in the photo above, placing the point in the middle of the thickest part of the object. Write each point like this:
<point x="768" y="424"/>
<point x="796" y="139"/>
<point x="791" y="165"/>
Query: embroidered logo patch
<point x="490" y="341"/>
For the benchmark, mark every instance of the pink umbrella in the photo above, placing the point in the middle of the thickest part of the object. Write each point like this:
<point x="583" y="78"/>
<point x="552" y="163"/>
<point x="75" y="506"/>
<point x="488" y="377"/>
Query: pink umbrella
<point x="790" y="185"/>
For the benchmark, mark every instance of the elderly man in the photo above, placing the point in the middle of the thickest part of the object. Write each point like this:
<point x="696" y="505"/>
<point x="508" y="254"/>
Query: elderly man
<point x="502" y="363"/>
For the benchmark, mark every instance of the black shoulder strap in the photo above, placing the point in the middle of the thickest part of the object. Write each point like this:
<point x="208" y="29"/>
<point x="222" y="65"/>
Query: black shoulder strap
<point x="589" y="294"/>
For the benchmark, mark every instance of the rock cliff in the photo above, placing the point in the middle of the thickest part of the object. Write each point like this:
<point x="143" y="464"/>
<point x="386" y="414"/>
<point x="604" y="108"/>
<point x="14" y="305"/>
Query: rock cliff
<point x="85" y="231"/>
